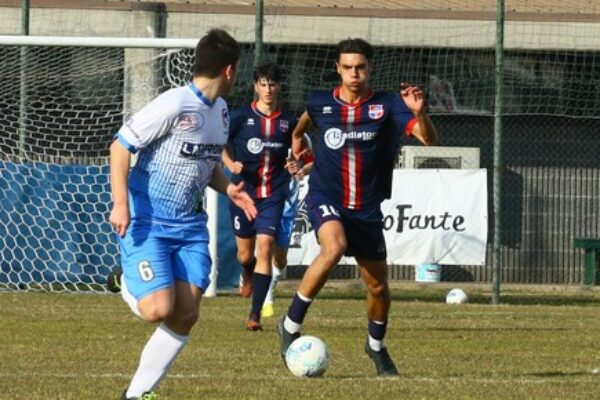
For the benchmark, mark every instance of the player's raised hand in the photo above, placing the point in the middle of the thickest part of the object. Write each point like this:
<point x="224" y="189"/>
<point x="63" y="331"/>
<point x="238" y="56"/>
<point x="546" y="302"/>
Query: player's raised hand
<point x="240" y="198"/>
<point x="119" y="219"/>
<point x="413" y="97"/>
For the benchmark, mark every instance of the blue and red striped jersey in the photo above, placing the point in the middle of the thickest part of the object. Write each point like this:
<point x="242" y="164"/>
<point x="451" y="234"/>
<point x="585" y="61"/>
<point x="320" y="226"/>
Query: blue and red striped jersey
<point x="261" y="143"/>
<point x="356" y="146"/>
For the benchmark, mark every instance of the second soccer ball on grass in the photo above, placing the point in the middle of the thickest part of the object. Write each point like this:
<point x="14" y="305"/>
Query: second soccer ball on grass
<point x="456" y="296"/>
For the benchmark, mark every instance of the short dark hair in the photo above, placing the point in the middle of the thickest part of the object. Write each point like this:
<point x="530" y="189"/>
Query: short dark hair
<point x="270" y="71"/>
<point x="358" y="46"/>
<point x="215" y="50"/>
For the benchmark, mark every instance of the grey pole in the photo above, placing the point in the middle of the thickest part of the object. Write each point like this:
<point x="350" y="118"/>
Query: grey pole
<point x="499" y="49"/>
<point x="258" y="32"/>
<point x="23" y="78"/>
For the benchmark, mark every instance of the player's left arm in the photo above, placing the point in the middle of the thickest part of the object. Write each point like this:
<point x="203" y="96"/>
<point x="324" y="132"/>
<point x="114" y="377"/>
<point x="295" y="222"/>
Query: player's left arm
<point x="423" y="129"/>
<point x="236" y="193"/>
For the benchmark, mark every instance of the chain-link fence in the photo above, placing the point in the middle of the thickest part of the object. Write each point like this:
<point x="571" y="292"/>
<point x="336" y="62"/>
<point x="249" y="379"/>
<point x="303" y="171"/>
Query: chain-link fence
<point x="73" y="99"/>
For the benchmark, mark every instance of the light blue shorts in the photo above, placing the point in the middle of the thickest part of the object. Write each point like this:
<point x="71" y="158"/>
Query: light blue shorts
<point x="153" y="256"/>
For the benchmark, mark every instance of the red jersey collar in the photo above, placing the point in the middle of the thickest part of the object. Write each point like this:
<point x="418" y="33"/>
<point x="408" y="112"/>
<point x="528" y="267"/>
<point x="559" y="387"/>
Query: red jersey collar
<point x="273" y="115"/>
<point x="336" y="96"/>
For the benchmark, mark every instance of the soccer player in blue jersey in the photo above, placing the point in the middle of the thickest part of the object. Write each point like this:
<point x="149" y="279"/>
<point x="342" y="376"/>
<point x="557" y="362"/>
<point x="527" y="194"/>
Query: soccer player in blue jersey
<point x="163" y="238"/>
<point x="358" y="134"/>
<point x="260" y="136"/>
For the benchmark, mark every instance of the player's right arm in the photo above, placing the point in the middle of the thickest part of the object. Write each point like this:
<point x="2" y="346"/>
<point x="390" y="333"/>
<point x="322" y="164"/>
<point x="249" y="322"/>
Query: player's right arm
<point x="120" y="159"/>
<point x="298" y="145"/>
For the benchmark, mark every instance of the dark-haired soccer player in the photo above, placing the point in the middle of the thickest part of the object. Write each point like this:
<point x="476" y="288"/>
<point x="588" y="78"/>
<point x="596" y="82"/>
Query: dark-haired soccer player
<point x="163" y="238"/>
<point x="358" y="133"/>
<point x="260" y="136"/>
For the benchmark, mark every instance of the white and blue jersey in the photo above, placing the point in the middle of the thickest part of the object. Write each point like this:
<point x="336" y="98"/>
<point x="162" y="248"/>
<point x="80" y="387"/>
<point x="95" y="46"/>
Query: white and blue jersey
<point x="179" y="137"/>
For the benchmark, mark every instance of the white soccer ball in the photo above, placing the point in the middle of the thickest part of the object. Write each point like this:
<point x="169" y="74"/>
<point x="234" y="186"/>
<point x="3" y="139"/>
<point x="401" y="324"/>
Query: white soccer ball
<point x="456" y="296"/>
<point x="307" y="356"/>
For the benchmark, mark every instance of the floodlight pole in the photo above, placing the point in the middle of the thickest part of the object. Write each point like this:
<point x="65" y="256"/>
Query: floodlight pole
<point x="25" y="6"/>
<point x="499" y="69"/>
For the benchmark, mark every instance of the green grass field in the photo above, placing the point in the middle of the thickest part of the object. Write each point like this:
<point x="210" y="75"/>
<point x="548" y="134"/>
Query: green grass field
<point x="542" y="343"/>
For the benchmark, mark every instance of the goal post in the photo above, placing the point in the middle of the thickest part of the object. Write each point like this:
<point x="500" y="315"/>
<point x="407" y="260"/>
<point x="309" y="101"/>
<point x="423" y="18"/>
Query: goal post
<point x="54" y="173"/>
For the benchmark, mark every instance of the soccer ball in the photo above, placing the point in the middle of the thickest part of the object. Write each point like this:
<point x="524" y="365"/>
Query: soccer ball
<point x="456" y="296"/>
<point x="307" y="356"/>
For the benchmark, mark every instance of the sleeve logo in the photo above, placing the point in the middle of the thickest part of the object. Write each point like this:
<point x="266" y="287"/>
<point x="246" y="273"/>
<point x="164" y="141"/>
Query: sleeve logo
<point x="225" y="117"/>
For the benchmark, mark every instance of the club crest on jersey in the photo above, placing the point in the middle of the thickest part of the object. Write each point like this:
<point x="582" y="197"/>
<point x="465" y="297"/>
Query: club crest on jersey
<point x="189" y="122"/>
<point x="284" y="126"/>
<point x="375" y="111"/>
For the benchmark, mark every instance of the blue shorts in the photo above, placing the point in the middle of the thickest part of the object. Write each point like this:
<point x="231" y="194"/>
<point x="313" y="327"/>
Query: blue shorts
<point x="363" y="228"/>
<point x="153" y="256"/>
<point x="286" y="225"/>
<point x="266" y="222"/>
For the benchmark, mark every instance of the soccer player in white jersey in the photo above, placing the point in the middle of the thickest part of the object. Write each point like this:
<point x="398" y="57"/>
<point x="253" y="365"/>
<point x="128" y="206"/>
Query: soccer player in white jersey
<point x="163" y="237"/>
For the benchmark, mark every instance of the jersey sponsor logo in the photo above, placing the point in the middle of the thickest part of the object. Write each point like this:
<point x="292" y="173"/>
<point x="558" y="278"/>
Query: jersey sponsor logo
<point x="284" y="126"/>
<point x="375" y="111"/>
<point x="250" y="122"/>
<point x="201" y="150"/>
<point x="225" y="117"/>
<point x="335" y="138"/>
<point x="327" y="110"/>
<point x="256" y="146"/>
<point x="189" y="122"/>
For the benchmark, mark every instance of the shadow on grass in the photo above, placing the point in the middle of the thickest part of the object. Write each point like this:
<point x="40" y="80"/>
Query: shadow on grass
<point x="492" y="329"/>
<point x="559" y="374"/>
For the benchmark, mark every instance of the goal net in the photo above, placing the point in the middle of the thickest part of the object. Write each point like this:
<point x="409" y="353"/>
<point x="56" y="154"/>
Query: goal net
<point x="62" y="99"/>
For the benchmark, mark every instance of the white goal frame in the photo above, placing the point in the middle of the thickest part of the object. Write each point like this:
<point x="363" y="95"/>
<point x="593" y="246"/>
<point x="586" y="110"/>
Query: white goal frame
<point x="211" y="196"/>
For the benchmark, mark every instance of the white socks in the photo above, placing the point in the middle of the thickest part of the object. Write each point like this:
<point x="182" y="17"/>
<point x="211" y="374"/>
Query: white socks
<point x="156" y="360"/>
<point x="376" y="345"/>
<point x="291" y="326"/>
